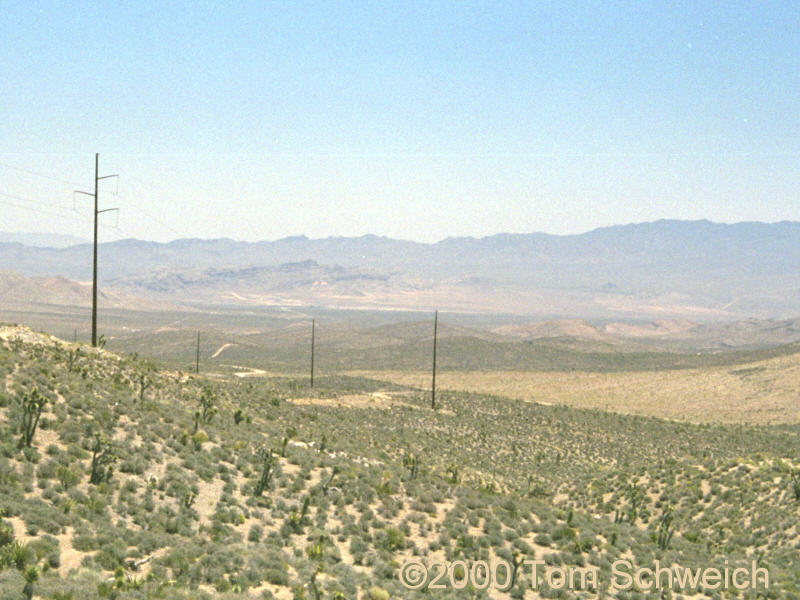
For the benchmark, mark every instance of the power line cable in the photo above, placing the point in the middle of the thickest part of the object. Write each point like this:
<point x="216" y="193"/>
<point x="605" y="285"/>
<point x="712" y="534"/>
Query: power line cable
<point x="72" y="215"/>
<point x="38" y="174"/>
<point x="150" y="216"/>
<point x="41" y="211"/>
<point x="47" y="210"/>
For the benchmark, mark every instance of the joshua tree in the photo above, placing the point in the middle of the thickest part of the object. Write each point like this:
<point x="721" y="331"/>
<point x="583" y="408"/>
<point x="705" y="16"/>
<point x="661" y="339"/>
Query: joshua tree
<point x="516" y="560"/>
<point x="207" y="405"/>
<point x="103" y="457"/>
<point x="32" y="406"/>
<point x="665" y="528"/>
<point x="313" y="582"/>
<point x="411" y="462"/>
<point x="326" y="486"/>
<point x="283" y="447"/>
<point x="268" y="460"/>
<point x="453" y="475"/>
<point x="189" y="498"/>
<point x="30" y="575"/>
<point x="72" y="358"/>
<point x="634" y="493"/>
<point x="796" y="484"/>
<point x="144" y="383"/>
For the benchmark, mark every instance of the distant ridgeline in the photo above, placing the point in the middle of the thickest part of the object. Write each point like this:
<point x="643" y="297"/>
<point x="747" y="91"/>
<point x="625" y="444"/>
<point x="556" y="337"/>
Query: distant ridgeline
<point x="665" y="268"/>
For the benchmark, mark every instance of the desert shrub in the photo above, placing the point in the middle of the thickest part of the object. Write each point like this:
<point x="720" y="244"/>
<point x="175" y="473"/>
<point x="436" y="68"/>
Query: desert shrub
<point x="563" y="533"/>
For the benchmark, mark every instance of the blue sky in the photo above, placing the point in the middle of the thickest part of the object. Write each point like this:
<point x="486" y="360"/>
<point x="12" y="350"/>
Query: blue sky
<point x="417" y="120"/>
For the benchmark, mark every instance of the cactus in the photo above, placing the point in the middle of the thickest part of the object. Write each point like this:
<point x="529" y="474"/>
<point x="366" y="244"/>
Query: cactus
<point x="326" y="486"/>
<point x="516" y="560"/>
<point x="283" y="447"/>
<point x="313" y="582"/>
<point x="294" y="521"/>
<point x="665" y="528"/>
<point x="72" y="358"/>
<point x="796" y="484"/>
<point x="634" y="494"/>
<point x="207" y="405"/>
<point x="189" y="498"/>
<point x="316" y="549"/>
<point x="536" y="489"/>
<point x="411" y="462"/>
<point x="103" y="457"/>
<point x="144" y="383"/>
<point x="32" y="406"/>
<point x="268" y="461"/>
<point x="453" y="475"/>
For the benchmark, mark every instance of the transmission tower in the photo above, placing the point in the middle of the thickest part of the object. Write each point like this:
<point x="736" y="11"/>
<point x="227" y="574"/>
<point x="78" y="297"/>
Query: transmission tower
<point x="97" y="179"/>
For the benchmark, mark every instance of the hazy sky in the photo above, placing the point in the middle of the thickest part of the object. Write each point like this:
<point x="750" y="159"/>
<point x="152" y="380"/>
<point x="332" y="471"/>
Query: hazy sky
<point x="417" y="120"/>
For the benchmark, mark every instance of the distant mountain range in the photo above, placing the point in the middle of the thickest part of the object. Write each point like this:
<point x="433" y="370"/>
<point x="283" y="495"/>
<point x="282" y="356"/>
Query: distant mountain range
<point x="19" y="292"/>
<point x="41" y="240"/>
<point x="695" y="270"/>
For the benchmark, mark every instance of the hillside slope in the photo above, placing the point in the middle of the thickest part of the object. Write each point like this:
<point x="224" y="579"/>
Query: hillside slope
<point x="362" y="477"/>
<point x="23" y="292"/>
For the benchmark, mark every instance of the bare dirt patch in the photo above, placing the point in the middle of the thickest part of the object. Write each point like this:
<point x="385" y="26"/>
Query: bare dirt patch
<point x="373" y="400"/>
<point x="766" y="392"/>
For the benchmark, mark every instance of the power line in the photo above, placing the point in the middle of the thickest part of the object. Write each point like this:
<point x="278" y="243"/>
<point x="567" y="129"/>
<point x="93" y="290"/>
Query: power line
<point x="97" y="212"/>
<point x="26" y="199"/>
<point x="433" y="380"/>
<point x="150" y="216"/>
<point x="155" y="193"/>
<point x="153" y="218"/>
<point x="73" y="215"/>
<point x="38" y="174"/>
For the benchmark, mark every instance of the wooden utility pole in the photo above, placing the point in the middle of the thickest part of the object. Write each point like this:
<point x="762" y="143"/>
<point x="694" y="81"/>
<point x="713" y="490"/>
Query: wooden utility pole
<point x="433" y="381"/>
<point x="313" y="324"/>
<point x="197" y="355"/>
<point x="94" y="259"/>
<point x="97" y="212"/>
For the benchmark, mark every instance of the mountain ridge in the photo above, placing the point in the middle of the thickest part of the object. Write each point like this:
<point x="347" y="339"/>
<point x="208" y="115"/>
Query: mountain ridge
<point x="665" y="268"/>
